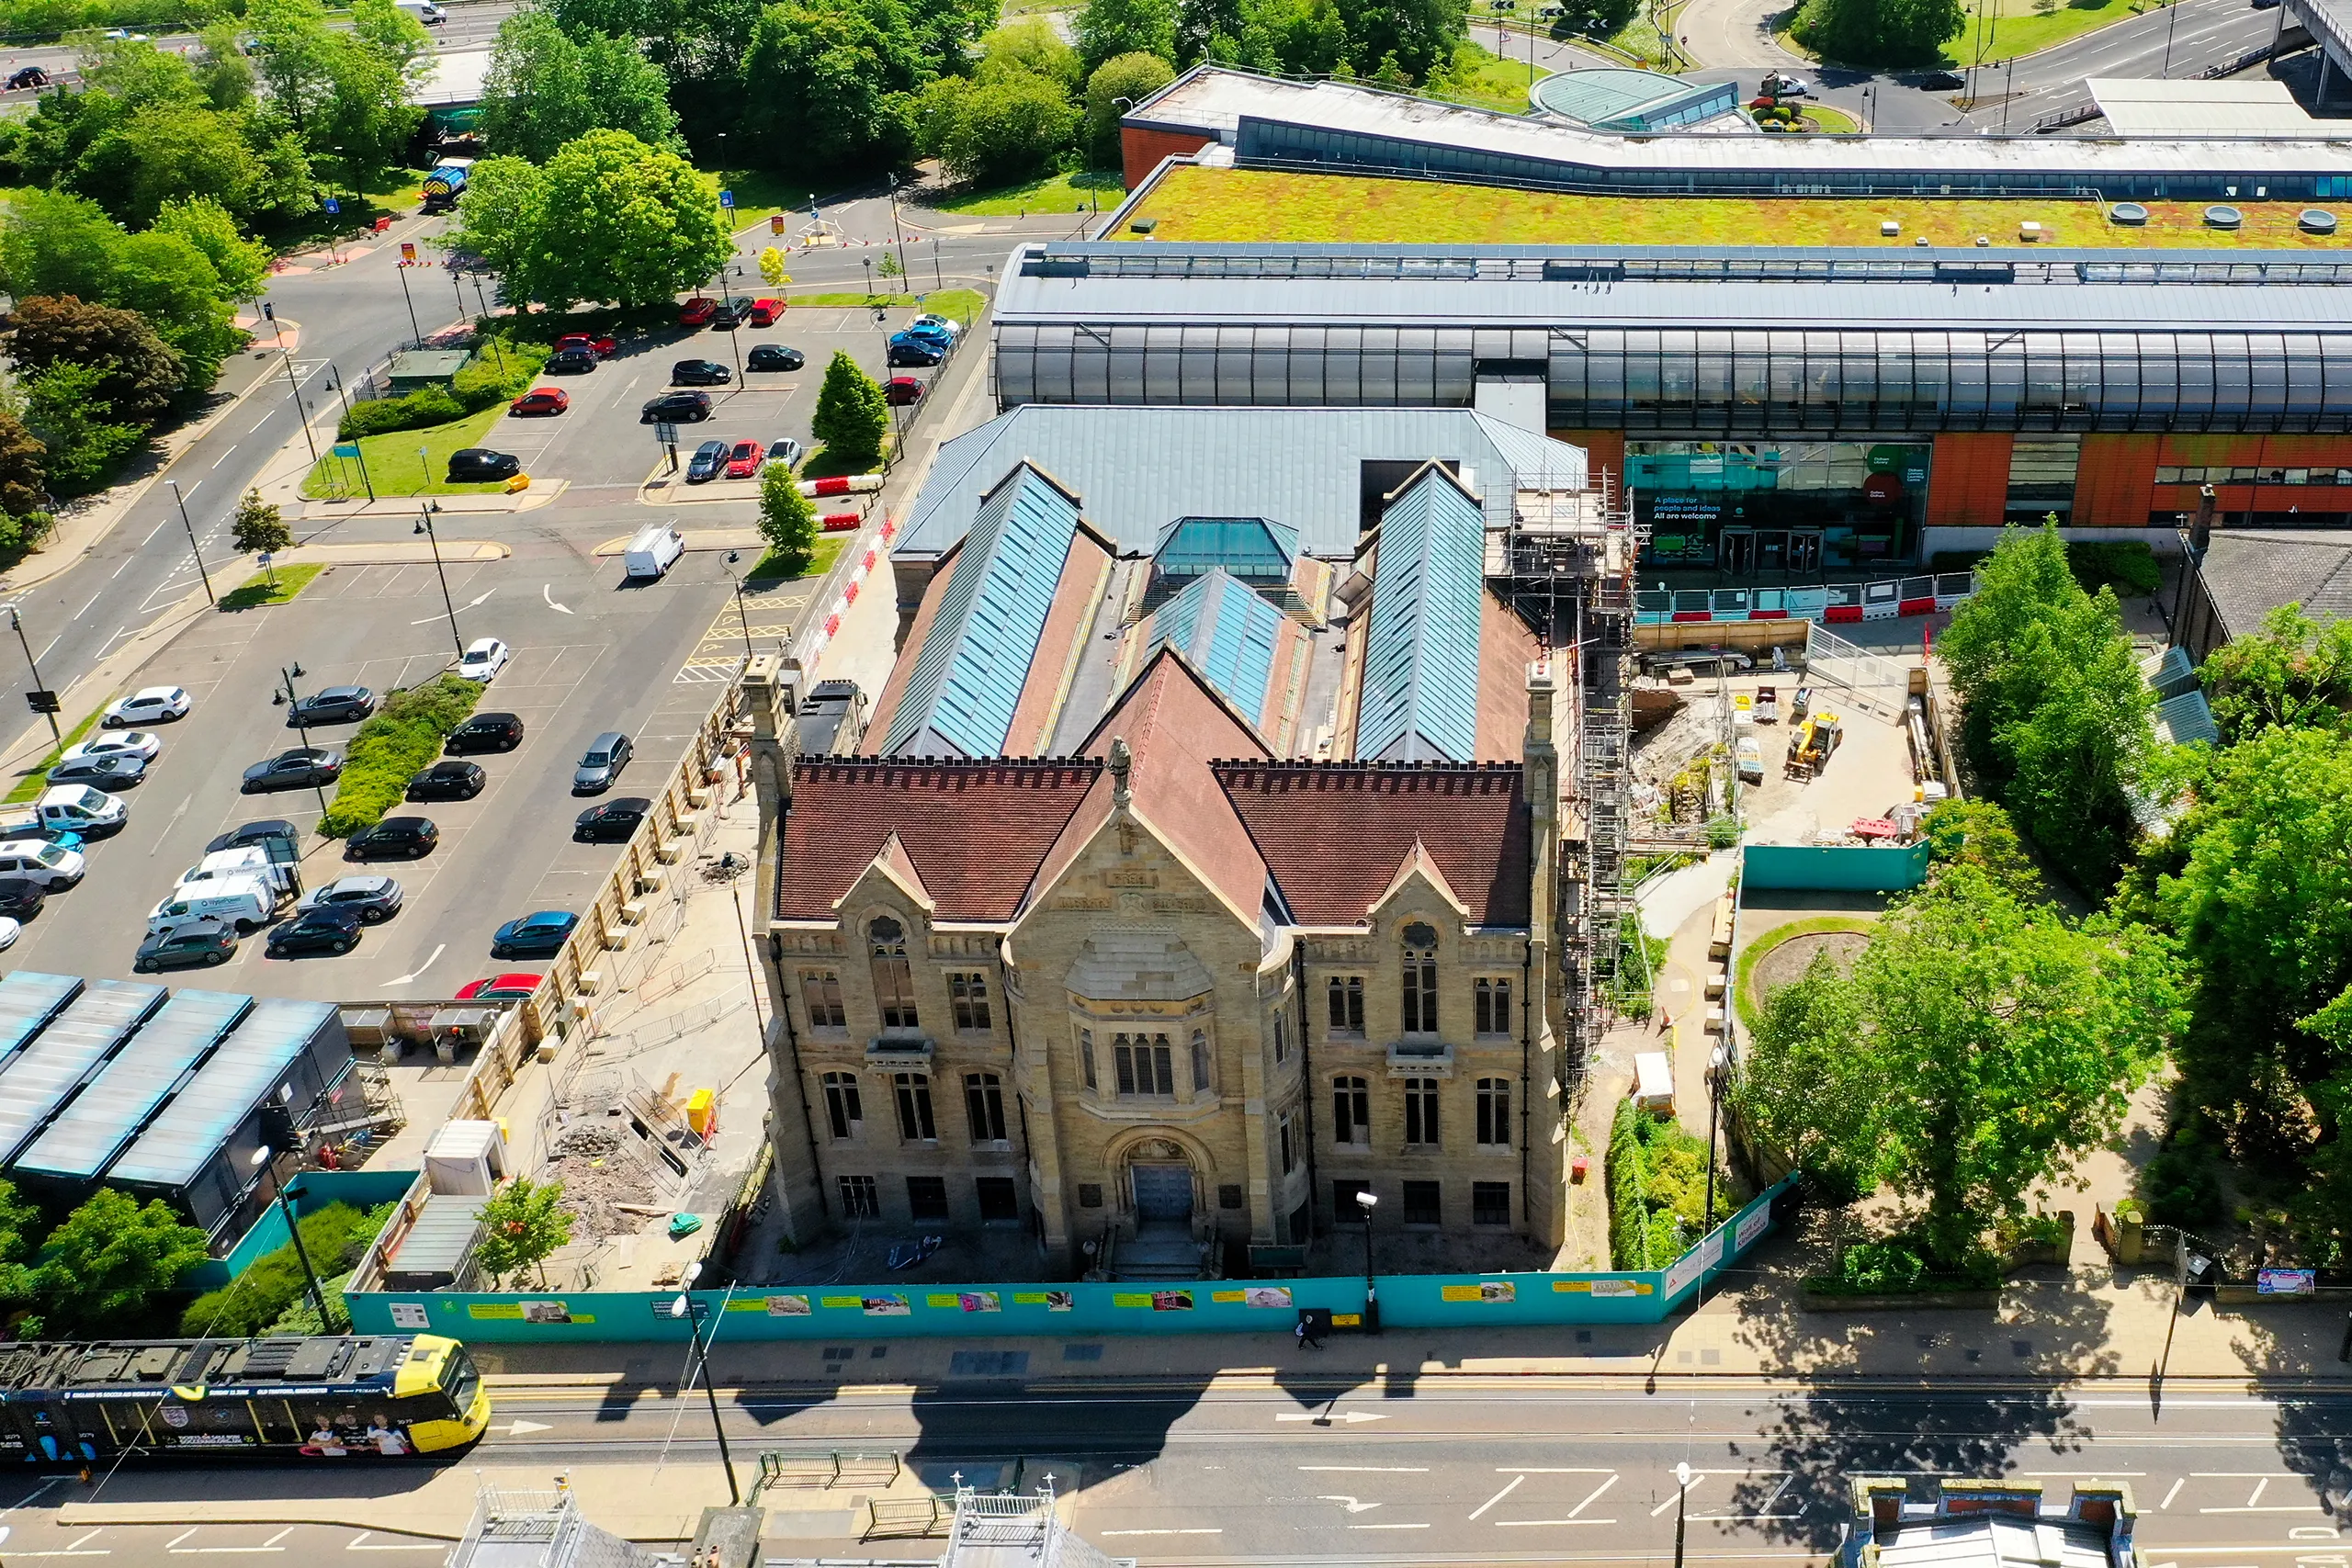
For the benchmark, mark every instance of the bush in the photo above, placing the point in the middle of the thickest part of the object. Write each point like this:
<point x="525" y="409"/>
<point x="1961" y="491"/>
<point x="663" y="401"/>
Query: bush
<point x="1658" y="1189"/>
<point x="498" y="376"/>
<point x="1899" y="1266"/>
<point x="335" y="1236"/>
<point x="25" y="533"/>
<point x="2129" y="566"/>
<point x="425" y="406"/>
<point x="389" y="748"/>
<point x="2180" y="1184"/>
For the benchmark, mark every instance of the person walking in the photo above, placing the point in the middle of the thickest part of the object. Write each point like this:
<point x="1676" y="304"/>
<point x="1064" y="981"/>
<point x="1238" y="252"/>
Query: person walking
<point x="1308" y="1337"/>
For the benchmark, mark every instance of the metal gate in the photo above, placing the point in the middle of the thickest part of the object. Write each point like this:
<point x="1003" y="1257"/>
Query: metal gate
<point x="1163" y="1192"/>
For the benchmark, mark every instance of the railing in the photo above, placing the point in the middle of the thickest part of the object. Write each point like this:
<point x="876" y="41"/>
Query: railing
<point x="1834" y="603"/>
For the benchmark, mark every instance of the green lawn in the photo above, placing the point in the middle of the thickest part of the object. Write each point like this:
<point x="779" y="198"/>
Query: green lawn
<point x="29" y="786"/>
<point x="1835" y="120"/>
<point x="259" y="590"/>
<point x="829" y="549"/>
<point x="1235" y="205"/>
<point x="959" y="304"/>
<point x="2024" y="29"/>
<point x="1750" y="1005"/>
<point x="393" y="467"/>
<point x="1054" y="193"/>
<point x="1487" y="81"/>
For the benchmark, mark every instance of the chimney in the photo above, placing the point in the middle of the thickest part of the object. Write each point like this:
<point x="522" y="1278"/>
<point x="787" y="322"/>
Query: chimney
<point x="2201" y="531"/>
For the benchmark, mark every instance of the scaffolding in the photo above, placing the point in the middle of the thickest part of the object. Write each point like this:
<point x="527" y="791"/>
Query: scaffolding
<point x="1565" y="564"/>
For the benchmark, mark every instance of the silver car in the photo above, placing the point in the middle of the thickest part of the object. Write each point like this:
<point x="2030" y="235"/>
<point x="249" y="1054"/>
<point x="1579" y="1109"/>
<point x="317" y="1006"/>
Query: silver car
<point x="373" y="899"/>
<point x="606" y="756"/>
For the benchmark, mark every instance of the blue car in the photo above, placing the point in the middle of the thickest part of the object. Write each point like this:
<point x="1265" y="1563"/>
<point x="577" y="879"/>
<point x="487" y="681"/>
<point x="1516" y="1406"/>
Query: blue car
<point x="540" y="935"/>
<point x="930" y="331"/>
<point x="909" y="350"/>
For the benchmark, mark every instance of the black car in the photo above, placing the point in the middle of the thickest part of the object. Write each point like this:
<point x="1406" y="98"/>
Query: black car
<point x="572" y="361"/>
<point x="335" y="704"/>
<point x="676" y="408"/>
<point x="395" y="837"/>
<point x="111" y="770"/>
<point x="480" y="465"/>
<point x="1943" y="81"/>
<point x="293" y="770"/>
<point x="27" y="76"/>
<point x="196" y="941"/>
<point x="708" y="462"/>
<point x="448" y="781"/>
<point x="774" y="357"/>
<point x="322" y="929"/>
<point x="921" y="355"/>
<point x="485" y="732"/>
<point x="20" y="897"/>
<point x="258" y="832"/>
<point x="610" y="822"/>
<point x="699" y="373"/>
<point x="732" y="312"/>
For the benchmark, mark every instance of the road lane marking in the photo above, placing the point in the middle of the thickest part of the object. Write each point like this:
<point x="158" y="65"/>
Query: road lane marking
<point x="1535" y="1469"/>
<point x="1349" y="1416"/>
<point x="265" y="420"/>
<point x="1370" y="1469"/>
<point x="1349" y="1504"/>
<point x="26" y="1500"/>
<point x="1160" y="1532"/>
<point x="359" y="1543"/>
<point x="2171" y="1494"/>
<point x="1388" y="1527"/>
<point x="86" y="609"/>
<point x="224" y="456"/>
<point x="1548" y="1524"/>
<point x="169" y="826"/>
<point x="1516" y="1482"/>
<point x="191" y="491"/>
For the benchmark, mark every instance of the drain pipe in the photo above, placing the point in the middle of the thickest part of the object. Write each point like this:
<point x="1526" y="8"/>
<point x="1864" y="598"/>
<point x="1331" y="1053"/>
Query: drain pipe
<point x="1526" y="1060"/>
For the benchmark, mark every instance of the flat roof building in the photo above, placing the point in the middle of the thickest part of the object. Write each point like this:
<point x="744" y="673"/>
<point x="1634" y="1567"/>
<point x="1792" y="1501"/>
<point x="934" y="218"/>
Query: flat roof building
<point x="1612" y="97"/>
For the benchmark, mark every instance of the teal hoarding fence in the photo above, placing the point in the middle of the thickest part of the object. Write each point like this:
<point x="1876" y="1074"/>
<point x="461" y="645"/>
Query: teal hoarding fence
<point x="1847" y="868"/>
<point x="900" y="1311"/>
<point x="313" y="1190"/>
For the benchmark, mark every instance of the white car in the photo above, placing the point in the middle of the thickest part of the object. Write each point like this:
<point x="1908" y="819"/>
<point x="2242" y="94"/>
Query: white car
<point x="484" y="659"/>
<point x="136" y="743"/>
<point x="9" y="931"/>
<point x="153" y="705"/>
<point x="952" y="328"/>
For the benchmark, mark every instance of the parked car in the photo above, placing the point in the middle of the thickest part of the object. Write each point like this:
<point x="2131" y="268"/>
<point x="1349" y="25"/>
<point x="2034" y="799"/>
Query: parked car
<point x="335" y="704"/>
<point x="1943" y="82"/>
<point x="927" y="329"/>
<point x="448" y="781"/>
<point x="480" y="465"/>
<point x="315" y="930"/>
<point x="601" y="764"/>
<point x="543" y="400"/>
<point x="374" y="899"/>
<point x="118" y="771"/>
<point x="254" y="833"/>
<point x="541" y="934"/>
<point x="9" y="931"/>
<point x="52" y="867"/>
<point x="708" y="461"/>
<point x="485" y="732"/>
<point x="395" y="837"/>
<point x="785" y="450"/>
<point x="302" y="766"/>
<point x="743" y="459"/>
<point x="697" y="311"/>
<point x="21" y="897"/>
<point x="699" y="373"/>
<point x="572" y="362"/>
<point x="676" y="408"/>
<point x="909" y="351"/>
<point x="246" y="902"/>
<point x="774" y="357"/>
<point x="499" y="988"/>
<point x="152" y="704"/>
<point x="196" y="941"/>
<point x="598" y="344"/>
<point x="126" y="742"/>
<point x="652" y="550"/>
<point x="765" y="311"/>
<point x="901" y="391"/>
<point x="483" y="659"/>
<point x="610" y="821"/>
<point x="947" y="325"/>
<point x="732" y="312"/>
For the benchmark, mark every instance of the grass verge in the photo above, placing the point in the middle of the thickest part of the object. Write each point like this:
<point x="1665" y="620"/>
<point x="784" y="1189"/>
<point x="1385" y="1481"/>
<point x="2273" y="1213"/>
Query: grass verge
<point x="29" y="786"/>
<point x="1835" y="121"/>
<point x="1749" y="1006"/>
<point x="389" y="749"/>
<point x="1485" y="80"/>
<point x="958" y="304"/>
<point x="258" y="589"/>
<point x="2023" y="29"/>
<point x="829" y="549"/>
<point x="1071" y="192"/>
<point x="394" y="468"/>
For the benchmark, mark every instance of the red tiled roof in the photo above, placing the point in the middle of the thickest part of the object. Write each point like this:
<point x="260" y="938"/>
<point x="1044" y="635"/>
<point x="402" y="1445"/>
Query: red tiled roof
<point x="974" y="830"/>
<point x="1334" y="833"/>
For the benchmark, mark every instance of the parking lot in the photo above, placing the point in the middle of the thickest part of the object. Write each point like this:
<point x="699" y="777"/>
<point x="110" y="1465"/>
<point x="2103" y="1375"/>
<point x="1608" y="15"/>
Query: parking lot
<point x="598" y="442"/>
<point x="590" y="654"/>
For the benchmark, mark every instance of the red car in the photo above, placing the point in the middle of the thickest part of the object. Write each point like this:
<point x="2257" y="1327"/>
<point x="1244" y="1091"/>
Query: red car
<point x="765" y="311"/>
<point x="499" y="988"/>
<point x="601" y="348"/>
<point x="900" y="391"/>
<point x="743" y="459"/>
<point x="541" y="399"/>
<point x="697" y="312"/>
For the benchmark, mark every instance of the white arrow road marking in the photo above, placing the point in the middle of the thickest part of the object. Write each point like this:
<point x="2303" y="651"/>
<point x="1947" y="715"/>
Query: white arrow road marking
<point x="1349" y="1504"/>
<point x="546" y="592"/>
<point x="1350" y="1416"/>
<point x="517" y="1427"/>
<point x="168" y="827"/>
<point x="445" y="615"/>
<point x="420" y="969"/>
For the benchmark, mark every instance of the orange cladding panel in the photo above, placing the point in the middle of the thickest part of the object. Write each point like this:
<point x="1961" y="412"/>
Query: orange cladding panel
<point x="2115" y="483"/>
<point x="1604" y="452"/>
<point x="1968" y="481"/>
<point x="1140" y="150"/>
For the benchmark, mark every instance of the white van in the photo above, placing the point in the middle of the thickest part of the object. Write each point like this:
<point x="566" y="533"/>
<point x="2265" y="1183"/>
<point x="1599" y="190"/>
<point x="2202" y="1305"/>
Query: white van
<point x="244" y="901"/>
<point x="245" y="860"/>
<point x="654" y="550"/>
<point x="55" y="869"/>
<point x="424" y="11"/>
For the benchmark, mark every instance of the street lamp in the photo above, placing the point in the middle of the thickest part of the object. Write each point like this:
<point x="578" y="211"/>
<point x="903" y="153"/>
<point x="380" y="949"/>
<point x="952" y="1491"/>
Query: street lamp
<point x="411" y="298"/>
<point x="1365" y="1203"/>
<point x="1681" y="1496"/>
<point x="734" y="557"/>
<point x="198" y="554"/>
<point x="424" y="526"/>
<point x="16" y="623"/>
<point x="286" y="694"/>
<point x="260" y="1160"/>
<point x="682" y="1308"/>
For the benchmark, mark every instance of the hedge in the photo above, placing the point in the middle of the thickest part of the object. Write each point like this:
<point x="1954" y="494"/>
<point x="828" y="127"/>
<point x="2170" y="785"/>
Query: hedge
<point x="1898" y="1266"/>
<point x="500" y="378"/>
<point x="336" y="1236"/>
<point x="403" y="737"/>
<point x="1658" y="1189"/>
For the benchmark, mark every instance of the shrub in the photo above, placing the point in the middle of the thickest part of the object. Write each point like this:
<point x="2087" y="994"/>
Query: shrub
<point x="2129" y="566"/>
<point x="1658" y="1189"/>
<point x="257" y="1299"/>
<point x="425" y="406"/>
<point x="2180" y="1184"/>
<point x="1897" y="1266"/>
<point x="389" y="748"/>
<point x="498" y="375"/>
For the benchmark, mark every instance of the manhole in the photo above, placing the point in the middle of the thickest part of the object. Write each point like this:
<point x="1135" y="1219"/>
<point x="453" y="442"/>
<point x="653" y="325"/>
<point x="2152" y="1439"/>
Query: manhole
<point x="2224" y="217"/>
<point x="2127" y="212"/>
<point x="2315" y="220"/>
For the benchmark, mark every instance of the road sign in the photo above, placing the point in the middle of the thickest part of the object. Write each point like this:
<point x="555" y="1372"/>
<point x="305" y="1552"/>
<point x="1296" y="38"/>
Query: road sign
<point x="269" y="311"/>
<point x="334" y="206"/>
<point x="408" y="254"/>
<point x="43" y="702"/>
<point x="264" y="558"/>
<point x="665" y="433"/>
<point x="346" y="449"/>
<point x="775" y="222"/>
<point x="726" y="199"/>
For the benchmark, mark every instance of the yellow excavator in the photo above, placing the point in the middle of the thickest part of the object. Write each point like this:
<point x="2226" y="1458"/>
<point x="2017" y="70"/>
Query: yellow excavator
<point x="1810" y="747"/>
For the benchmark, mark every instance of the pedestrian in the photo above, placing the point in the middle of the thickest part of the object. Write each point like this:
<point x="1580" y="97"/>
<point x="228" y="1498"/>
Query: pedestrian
<point x="2345" y="1354"/>
<point x="1308" y="1337"/>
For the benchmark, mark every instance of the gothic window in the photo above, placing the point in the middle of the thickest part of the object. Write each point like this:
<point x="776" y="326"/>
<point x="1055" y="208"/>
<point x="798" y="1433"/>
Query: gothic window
<point x="1420" y="1112"/>
<point x="1086" y="1056"/>
<point x="1420" y="980"/>
<point x="842" y="1109"/>
<point x="1346" y="995"/>
<point x="915" y="1124"/>
<point x="1199" y="1061"/>
<point x="1145" y="1065"/>
<point x="984" y="1102"/>
<point x="970" y="993"/>
<point x="1494" y="1113"/>
<point x="894" y="985"/>
<point x="1350" y="1112"/>
<point x="820" y="993"/>
<point x="1285" y="1127"/>
<point x="1493" y="1008"/>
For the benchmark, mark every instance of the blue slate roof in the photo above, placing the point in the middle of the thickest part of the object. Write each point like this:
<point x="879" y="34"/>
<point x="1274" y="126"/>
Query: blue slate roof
<point x="1420" y="672"/>
<point x="1228" y="632"/>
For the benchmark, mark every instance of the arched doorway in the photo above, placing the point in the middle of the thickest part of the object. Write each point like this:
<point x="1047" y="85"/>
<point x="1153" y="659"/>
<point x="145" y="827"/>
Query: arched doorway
<point x="1163" y="1195"/>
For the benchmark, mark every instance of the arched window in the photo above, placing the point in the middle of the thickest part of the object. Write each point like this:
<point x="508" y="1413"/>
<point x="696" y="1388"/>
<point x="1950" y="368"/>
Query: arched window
<point x="841" y="1109"/>
<point x="1145" y="1065"/>
<point x="1350" y="1112"/>
<point x="915" y="1124"/>
<point x="1420" y="979"/>
<point x="893" y="983"/>
<point x="1494" y="1113"/>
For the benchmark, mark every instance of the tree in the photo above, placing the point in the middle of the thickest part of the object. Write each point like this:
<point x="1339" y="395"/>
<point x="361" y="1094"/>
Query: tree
<point x="2295" y="672"/>
<point x="502" y="217"/>
<point x="108" y="1259"/>
<point x="852" y="419"/>
<point x="1803" y="1092"/>
<point x="991" y="132"/>
<point x="259" y="528"/>
<point x="138" y="375"/>
<point x="1994" y="1045"/>
<point x="545" y="87"/>
<point x="82" y="439"/>
<point x="1880" y="32"/>
<point x="24" y="475"/>
<point x="168" y="280"/>
<point x="1420" y="36"/>
<point x="520" y="1225"/>
<point x="241" y="265"/>
<point x="1297" y="37"/>
<point x="830" y="84"/>
<point x="1029" y="48"/>
<point x="1133" y="77"/>
<point x="222" y="71"/>
<point x="1109" y="28"/>
<point x="787" y="521"/>
<point x="775" y="266"/>
<point x="17" y="1219"/>
<point x="1979" y="833"/>
<point x="55" y="242"/>
<point x="345" y="92"/>
<point x="608" y="217"/>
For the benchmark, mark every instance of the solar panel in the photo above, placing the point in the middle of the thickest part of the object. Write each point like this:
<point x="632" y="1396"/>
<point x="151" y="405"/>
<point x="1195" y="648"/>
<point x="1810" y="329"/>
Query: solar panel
<point x="44" y="1075"/>
<point x="185" y="1138"/>
<point x="116" y="1103"/>
<point x="28" y="1000"/>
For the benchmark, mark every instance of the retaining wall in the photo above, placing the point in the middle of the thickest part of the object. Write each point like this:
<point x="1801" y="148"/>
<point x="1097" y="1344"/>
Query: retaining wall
<point x="314" y="1189"/>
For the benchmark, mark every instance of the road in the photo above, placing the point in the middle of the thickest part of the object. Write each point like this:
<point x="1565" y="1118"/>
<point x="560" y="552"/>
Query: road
<point x="1520" y="1469"/>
